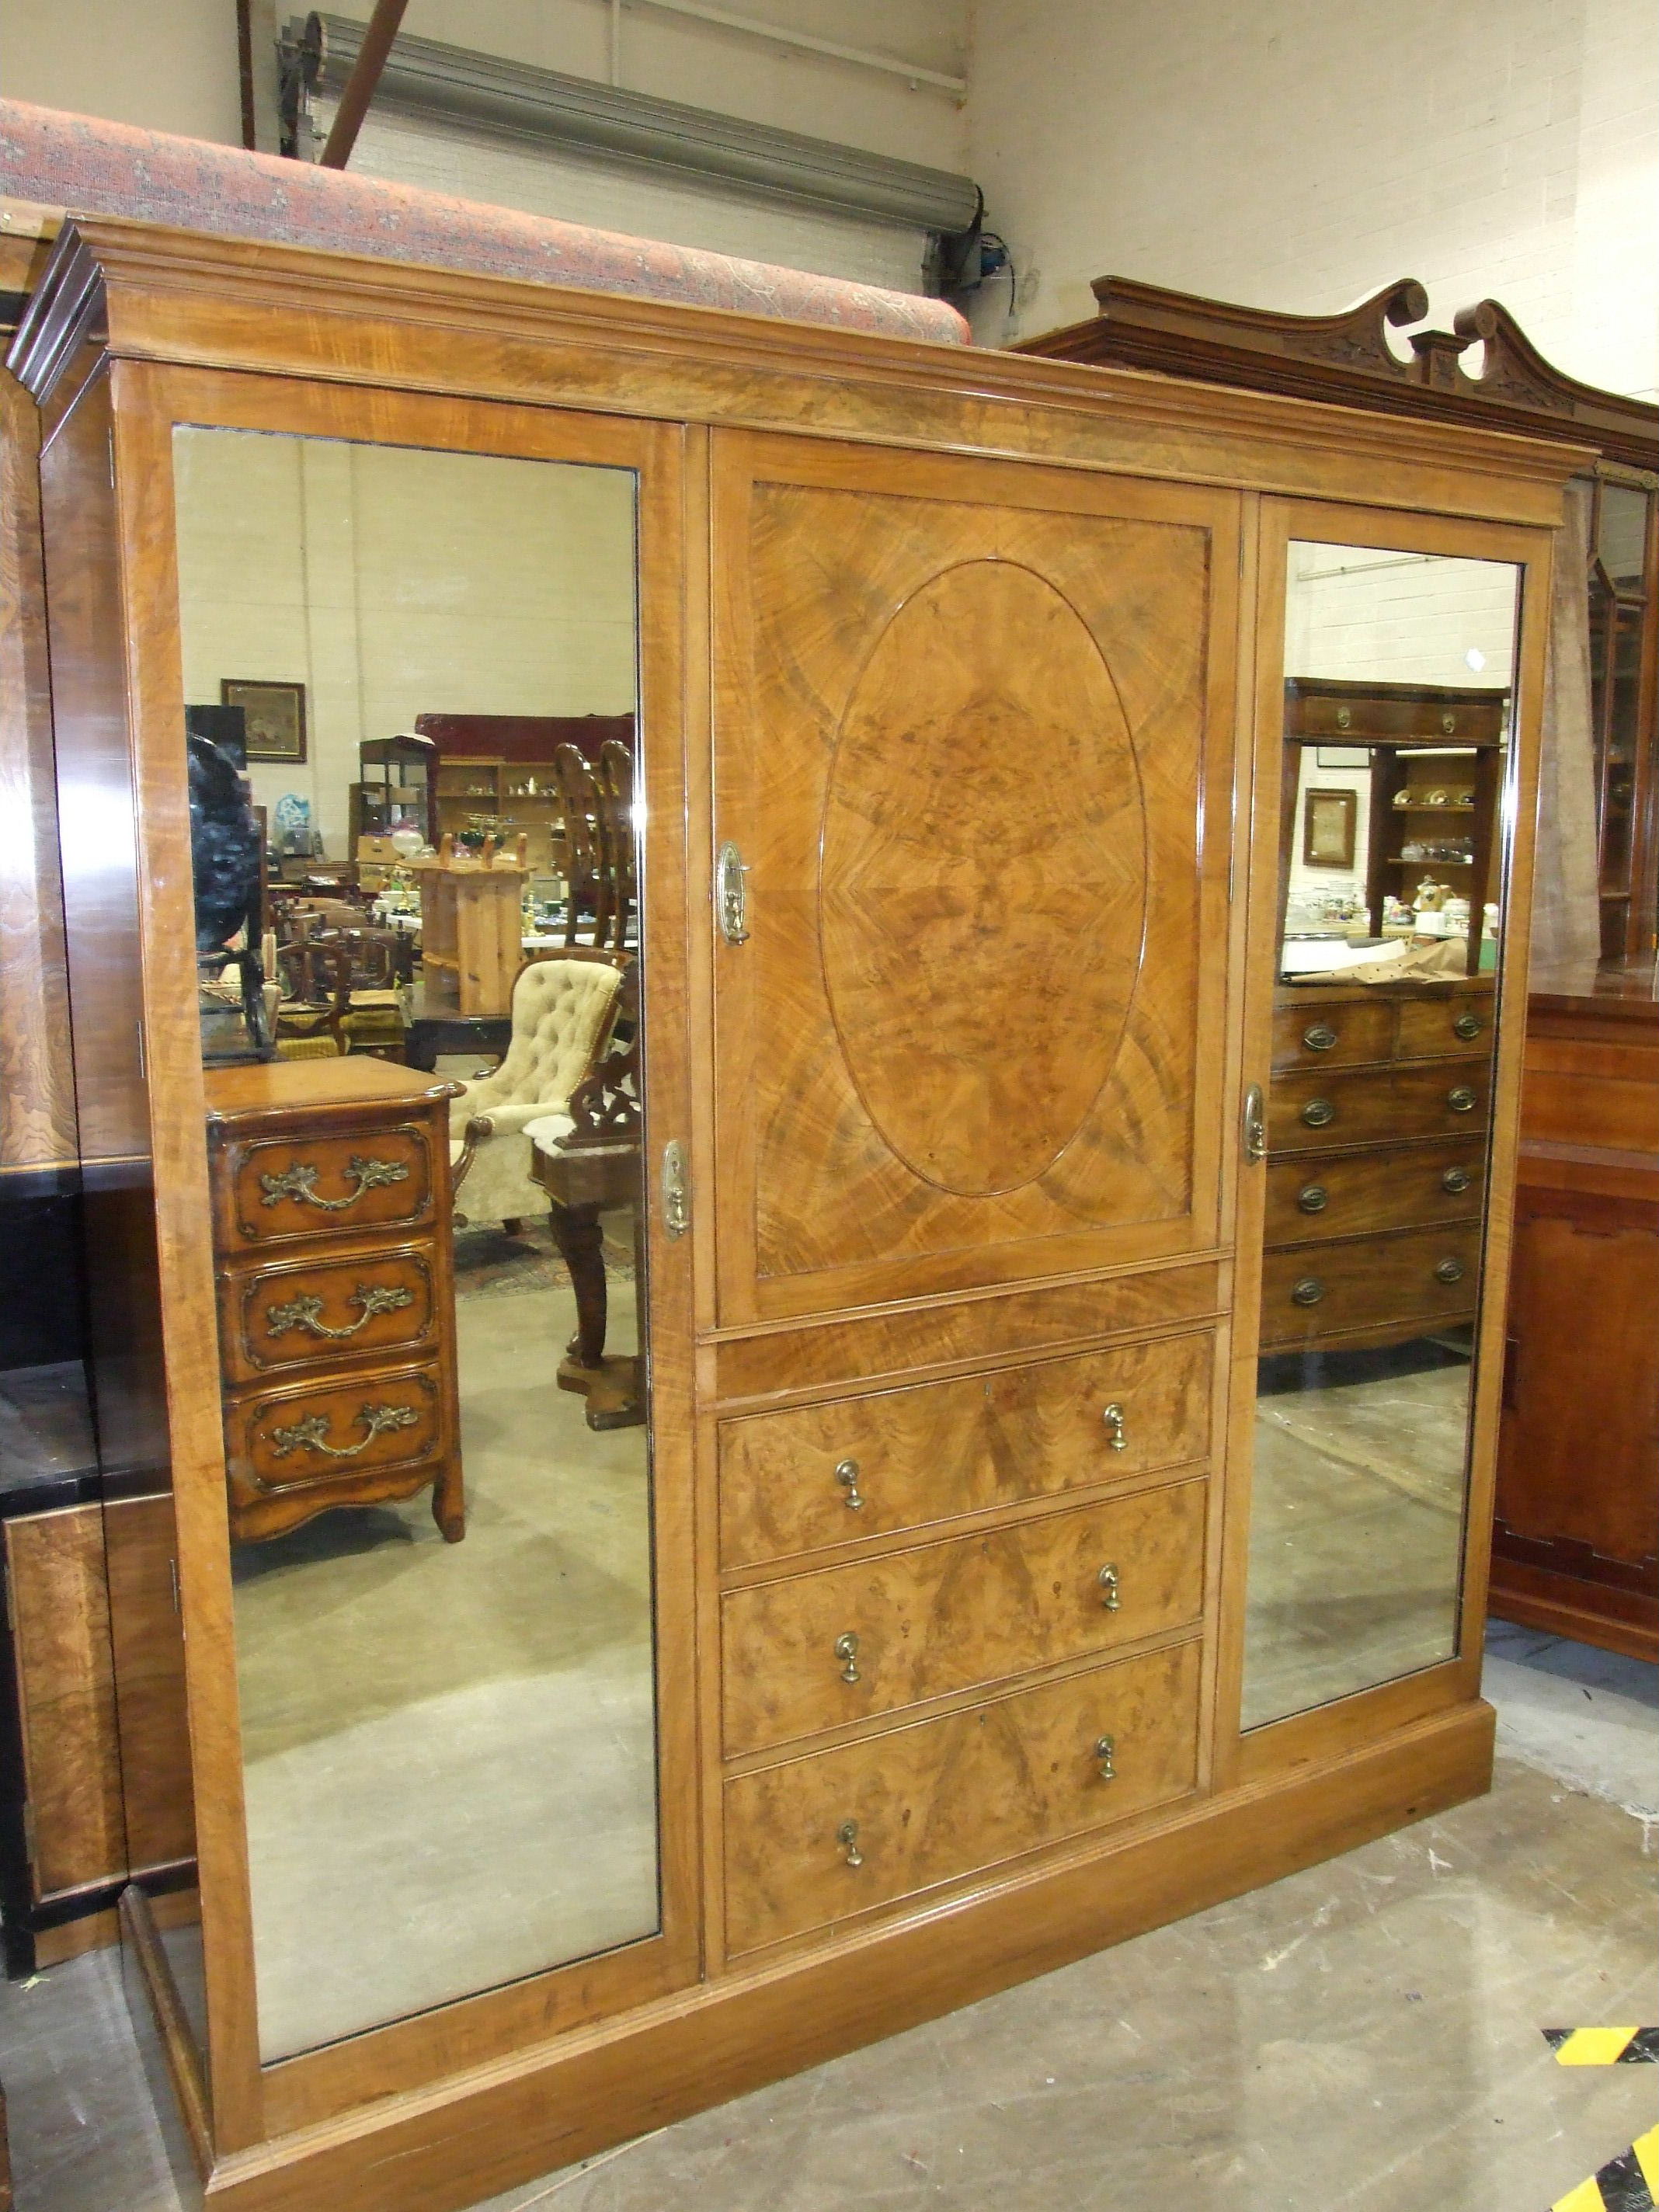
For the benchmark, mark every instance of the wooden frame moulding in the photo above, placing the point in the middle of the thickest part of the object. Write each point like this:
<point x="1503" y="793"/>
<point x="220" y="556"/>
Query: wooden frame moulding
<point x="1346" y="1723"/>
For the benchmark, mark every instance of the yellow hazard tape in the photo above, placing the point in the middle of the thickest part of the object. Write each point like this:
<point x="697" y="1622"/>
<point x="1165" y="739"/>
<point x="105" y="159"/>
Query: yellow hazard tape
<point x="1647" y="2157"/>
<point x="1629" y="2183"/>
<point x="1596" y="2047"/>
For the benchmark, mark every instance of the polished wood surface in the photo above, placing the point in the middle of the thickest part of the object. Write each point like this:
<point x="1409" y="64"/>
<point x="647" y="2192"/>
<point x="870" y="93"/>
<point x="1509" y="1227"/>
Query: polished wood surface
<point x="1404" y="1282"/>
<point x="1372" y="1106"/>
<point x="935" y="1451"/>
<point x="937" y="1801"/>
<point x="946" y="1617"/>
<point x="141" y="1560"/>
<point x="298" y="1312"/>
<point x="1349" y="1193"/>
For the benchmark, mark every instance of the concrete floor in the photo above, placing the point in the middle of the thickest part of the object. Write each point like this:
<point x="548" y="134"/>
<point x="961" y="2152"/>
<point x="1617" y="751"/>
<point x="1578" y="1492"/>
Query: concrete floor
<point x="1361" y="2038"/>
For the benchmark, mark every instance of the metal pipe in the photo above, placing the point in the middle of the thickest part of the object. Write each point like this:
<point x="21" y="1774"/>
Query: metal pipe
<point x="359" y="85"/>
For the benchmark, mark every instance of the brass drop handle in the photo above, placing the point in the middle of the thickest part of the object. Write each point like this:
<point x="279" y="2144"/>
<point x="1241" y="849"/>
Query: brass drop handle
<point x="1109" y="1597"/>
<point x="848" y="1837"/>
<point x="1455" y="1180"/>
<point x="1115" y="1438"/>
<point x="1319" y="1113"/>
<point x="1307" y="1291"/>
<point x="1461" y="1099"/>
<point x="1106" y="1753"/>
<point x="1448" y="1271"/>
<point x="1322" y="1037"/>
<point x="1313" y="1198"/>
<point x="1468" y="1026"/>
<point x="846" y="1474"/>
<point x="846" y="1650"/>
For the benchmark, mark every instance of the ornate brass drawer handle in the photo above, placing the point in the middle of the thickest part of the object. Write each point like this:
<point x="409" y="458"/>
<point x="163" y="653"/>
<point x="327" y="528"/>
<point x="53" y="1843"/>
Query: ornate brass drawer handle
<point x="846" y="1474"/>
<point x="848" y="1837"/>
<point x="1106" y="1754"/>
<point x="299" y="1183"/>
<point x="310" y="1434"/>
<point x="1110" y="1597"/>
<point x="846" y="1650"/>
<point x="1313" y="1198"/>
<point x="1113" y="1416"/>
<point x="1307" y="1291"/>
<point x="1322" y="1037"/>
<point x="1319" y="1113"/>
<point x="1468" y="1026"/>
<point x="305" y="1311"/>
<point x="1462" y="1099"/>
<point x="1455" y="1180"/>
<point x="1448" y="1271"/>
<point x="1448" y="724"/>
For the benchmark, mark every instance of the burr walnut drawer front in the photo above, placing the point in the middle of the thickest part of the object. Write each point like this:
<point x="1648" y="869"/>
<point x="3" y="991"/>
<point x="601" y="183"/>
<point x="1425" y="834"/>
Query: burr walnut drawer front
<point x="817" y="1650"/>
<point x="283" y="1187"/>
<point x="839" y="1833"/>
<point x="869" y="1466"/>
<point x="1426" y="1275"/>
<point x="324" y="1308"/>
<point x="303" y="1434"/>
<point x="1320" y="1033"/>
<point x="1338" y="1195"/>
<point x="1461" y="1024"/>
<point x="1369" y="1105"/>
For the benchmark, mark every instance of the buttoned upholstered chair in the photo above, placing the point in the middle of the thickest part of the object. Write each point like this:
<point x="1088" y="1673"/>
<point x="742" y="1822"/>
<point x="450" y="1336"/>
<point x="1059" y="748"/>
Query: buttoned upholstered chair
<point x="563" y="1009"/>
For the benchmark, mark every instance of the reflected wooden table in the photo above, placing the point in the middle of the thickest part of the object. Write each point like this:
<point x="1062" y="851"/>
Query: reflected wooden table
<point x="584" y="1181"/>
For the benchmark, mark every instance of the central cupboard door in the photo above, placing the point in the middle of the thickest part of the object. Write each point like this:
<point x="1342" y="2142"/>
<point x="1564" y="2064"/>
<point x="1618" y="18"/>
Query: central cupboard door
<point x="972" y="752"/>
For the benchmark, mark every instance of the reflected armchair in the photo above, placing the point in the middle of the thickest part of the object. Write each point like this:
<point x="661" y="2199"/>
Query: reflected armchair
<point x="563" y="1009"/>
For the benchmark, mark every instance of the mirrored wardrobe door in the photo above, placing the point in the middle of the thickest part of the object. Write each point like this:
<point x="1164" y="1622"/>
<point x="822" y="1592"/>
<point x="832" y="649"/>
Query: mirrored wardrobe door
<point x="1395" y="723"/>
<point x="415" y="752"/>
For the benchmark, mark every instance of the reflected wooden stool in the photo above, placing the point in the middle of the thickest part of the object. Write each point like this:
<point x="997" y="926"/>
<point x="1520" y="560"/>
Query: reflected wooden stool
<point x="582" y="1182"/>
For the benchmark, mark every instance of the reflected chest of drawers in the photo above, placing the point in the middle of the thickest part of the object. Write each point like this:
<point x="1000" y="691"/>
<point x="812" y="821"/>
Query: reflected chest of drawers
<point x="1376" y="1138"/>
<point x="332" y="1246"/>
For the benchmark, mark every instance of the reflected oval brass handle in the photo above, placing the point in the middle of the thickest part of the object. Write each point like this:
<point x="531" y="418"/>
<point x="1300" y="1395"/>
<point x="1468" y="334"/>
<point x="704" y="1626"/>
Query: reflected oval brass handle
<point x="1319" y="1113"/>
<point x="1105" y="1754"/>
<point x="1307" y="1291"/>
<point x="846" y="1474"/>
<point x="1455" y="1180"/>
<point x="1115" y="1438"/>
<point x="1109" y="1589"/>
<point x="1468" y="1026"/>
<point x="1313" y="1198"/>
<point x="1448" y="723"/>
<point x="1448" y="1271"/>
<point x="846" y="1650"/>
<point x="1319" y="1038"/>
<point x="848" y="1837"/>
<point x="1344" y="717"/>
<point x="1462" y="1099"/>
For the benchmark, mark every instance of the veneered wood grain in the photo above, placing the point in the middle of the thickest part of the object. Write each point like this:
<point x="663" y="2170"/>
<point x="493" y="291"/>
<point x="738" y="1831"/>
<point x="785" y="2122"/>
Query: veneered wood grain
<point x="938" y="1800"/>
<point x="262" y="1329"/>
<point x="1391" y="1189"/>
<point x="945" y="1617"/>
<point x="1360" y="1029"/>
<point x="1369" y="1281"/>
<point x="970" y="1445"/>
<point x="140" y="1551"/>
<point x="1377" y="1104"/>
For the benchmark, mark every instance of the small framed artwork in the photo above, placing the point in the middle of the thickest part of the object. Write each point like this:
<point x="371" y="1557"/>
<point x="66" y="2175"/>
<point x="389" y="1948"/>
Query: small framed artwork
<point x="276" y="716"/>
<point x="1329" y="819"/>
<point x="1342" y="756"/>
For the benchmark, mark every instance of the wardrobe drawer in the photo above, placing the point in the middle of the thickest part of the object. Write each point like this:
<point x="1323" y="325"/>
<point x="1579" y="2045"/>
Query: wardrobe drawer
<point x="307" y="1186"/>
<point x="1371" y="1105"/>
<point x="938" y="1449"/>
<point x="1461" y="1024"/>
<point x="1422" y="1277"/>
<point x="822" y="1838"/>
<point x="313" y="1433"/>
<point x="1312" y="1034"/>
<point x="818" y="1651"/>
<point x="325" y="1309"/>
<point x="1345" y="1194"/>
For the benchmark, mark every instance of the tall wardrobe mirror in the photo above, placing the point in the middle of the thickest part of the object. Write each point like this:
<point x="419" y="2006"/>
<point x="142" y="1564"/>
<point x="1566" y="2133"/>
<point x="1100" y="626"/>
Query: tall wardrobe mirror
<point x="1399" y="678"/>
<point x="410" y="687"/>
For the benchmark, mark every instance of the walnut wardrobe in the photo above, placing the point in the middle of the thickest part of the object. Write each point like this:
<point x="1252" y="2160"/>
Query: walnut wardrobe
<point x="914" y="1642"/>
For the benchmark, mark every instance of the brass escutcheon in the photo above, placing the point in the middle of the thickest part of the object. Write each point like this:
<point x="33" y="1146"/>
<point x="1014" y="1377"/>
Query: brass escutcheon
<point x="846" y="1650"/>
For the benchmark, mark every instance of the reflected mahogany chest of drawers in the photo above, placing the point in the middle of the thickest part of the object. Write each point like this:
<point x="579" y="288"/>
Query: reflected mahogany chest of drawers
<point x="1376" y="1152"/>
<point x="331" y="1210"/>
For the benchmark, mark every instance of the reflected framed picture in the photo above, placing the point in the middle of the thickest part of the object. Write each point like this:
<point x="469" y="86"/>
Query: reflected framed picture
<point x="276" y="716"/>
<point x="1329" y="820"/>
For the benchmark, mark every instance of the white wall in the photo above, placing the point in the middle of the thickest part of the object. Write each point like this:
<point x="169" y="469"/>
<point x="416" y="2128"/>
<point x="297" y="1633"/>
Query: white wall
<point x="392" y="583"/>
<point x="1299" y="153"/>
<point x="166" y="65"/>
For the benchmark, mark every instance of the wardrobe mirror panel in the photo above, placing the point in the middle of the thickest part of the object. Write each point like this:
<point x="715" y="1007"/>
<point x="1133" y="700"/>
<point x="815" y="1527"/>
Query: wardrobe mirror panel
<point x="409" y="707"/>
<point x="1398" y="674"/>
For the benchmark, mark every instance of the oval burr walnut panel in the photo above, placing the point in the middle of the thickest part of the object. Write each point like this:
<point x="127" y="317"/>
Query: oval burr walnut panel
<point x="970" y="718"/>
<point x="820" y="1651"/>
<point x="970" y="1445"/>
<point x="955" y="925"/>
<point x="326" y="1309"/>
<point x="840" y="1833"/>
